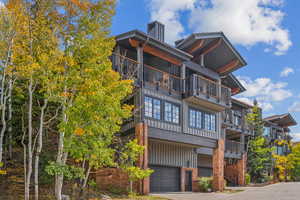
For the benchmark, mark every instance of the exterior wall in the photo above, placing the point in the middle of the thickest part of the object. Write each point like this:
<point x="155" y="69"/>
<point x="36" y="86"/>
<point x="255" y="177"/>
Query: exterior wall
<point x="173" y="155"/>
<point x="108" y="178"/>
<point x="195" y="187"/>
<point x="235" y="172"/>
<point x="183" y="126"/>
<point x="218" y="166"/>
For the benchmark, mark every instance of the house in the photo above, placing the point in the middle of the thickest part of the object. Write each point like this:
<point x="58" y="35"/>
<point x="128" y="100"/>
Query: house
<point x="277" y="133"/>
<point x="276" y="130"/>
<point x="184" y="111"/>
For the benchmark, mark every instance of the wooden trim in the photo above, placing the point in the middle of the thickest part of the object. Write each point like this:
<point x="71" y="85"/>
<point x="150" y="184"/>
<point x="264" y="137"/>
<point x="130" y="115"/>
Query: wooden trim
<point x="229" y="66"/>
<point x="235" y="90"/>
<point x="124" y="57"/>
<point x="195" y="46"/>
<point x="156" y="52"/>
<point x="209" y="47"/>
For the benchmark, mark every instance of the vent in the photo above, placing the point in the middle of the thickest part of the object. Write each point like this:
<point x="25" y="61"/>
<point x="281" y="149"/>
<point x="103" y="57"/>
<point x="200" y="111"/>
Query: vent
<point x="156" y="30"/>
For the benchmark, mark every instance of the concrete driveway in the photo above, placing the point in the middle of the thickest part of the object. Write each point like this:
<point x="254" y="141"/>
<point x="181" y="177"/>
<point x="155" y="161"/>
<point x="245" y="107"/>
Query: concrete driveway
<point x="279" y="191"/>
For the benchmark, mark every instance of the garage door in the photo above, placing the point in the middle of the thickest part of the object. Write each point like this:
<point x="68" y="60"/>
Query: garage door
<point x="165" y="179"/>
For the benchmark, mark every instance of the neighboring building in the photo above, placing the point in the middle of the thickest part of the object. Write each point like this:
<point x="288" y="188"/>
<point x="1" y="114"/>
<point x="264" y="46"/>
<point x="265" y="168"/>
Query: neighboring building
<point x="276" y="129"/>
<point x="184" y="114"/>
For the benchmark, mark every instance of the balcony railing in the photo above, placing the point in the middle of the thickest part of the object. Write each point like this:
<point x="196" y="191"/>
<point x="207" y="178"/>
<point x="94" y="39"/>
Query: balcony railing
<point x="233" y="147"/>
<point x="128" y="68"/>
<point x="162" y="79"/>
<point x="200" y="86"/>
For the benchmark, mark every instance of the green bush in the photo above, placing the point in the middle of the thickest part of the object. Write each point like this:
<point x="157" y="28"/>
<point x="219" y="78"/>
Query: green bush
<point x="205" y="184"/>
<point x="248" y="179"/>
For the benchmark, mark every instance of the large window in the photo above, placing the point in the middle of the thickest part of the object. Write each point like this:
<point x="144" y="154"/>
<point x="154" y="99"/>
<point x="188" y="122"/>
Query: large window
<point x="195" y="118"/>
<point x="202" y="120"/>
<point x="152" y="108"/>
<point x="171" y="113"/>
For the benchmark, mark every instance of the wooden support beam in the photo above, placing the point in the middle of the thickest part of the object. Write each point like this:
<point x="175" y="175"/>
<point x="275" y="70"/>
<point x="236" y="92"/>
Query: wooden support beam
<point x="235" y="90"/>
<point x="229" y="66"/>
<point x="209" y="48"/>
<point x="156" y="52"/>
<point x="195" y="46"/>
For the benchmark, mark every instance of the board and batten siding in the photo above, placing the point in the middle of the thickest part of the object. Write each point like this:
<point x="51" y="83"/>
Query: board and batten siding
<point x="183" y="126"/>
<point x="173" y="155"/>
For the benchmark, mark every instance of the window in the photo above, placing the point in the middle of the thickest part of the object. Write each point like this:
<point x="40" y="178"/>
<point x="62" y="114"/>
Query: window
<point x="171" y="113"/>
<point x="202" y="120"/>
<point x="267" y="131"/>
<point x="195" y="118"/>
<point x="152" y="107"/>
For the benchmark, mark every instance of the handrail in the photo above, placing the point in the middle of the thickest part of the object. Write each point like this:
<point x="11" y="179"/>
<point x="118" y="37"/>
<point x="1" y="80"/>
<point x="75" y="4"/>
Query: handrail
<point x="233" y="146"/>
<point x="125" y="57"/>
<point x="153" y="68"/>
<point x="215" y="82"/>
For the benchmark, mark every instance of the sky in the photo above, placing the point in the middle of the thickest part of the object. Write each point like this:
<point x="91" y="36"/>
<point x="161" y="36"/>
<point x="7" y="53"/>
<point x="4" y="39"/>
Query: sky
<point x="265" y="32"/>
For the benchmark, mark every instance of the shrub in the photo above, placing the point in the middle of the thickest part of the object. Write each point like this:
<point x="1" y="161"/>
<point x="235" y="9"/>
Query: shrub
<point x="248" y="179"/>
<point x="205" y="184"/>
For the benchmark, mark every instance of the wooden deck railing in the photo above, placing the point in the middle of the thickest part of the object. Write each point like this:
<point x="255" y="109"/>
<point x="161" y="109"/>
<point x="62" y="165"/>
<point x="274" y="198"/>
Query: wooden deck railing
<point x="162" y="79"/>
<point x="128" y="68"/>
<point x="200" y="86"/>
<point x="233" y="146"/>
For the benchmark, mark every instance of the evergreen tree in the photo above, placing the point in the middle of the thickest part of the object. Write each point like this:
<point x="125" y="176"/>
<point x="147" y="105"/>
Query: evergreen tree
<point x="259" y="152"/>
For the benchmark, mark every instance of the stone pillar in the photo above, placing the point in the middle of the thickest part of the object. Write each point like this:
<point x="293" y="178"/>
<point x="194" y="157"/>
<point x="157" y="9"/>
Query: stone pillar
<point x="141" y="133"/>
<point x="242" y="169"/>
<point x="218" y="166"/>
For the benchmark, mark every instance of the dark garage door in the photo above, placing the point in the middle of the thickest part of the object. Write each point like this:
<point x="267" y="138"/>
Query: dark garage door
<point x="165" y="179"/>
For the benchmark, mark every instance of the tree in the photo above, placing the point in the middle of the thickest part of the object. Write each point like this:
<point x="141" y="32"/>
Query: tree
<point x="294" y="158"/>
<point x="35" y="54"/>
<point x="259" y="154"/>
<point x="7" y="36"/>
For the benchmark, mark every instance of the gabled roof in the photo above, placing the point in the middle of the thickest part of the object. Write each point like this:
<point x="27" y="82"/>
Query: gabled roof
<point x="241" y="103"/>
<point x="284" y="120"/>
<point x="222" y="56"/>
<point x="231" y="81"/>
<point x="147" y="39"/>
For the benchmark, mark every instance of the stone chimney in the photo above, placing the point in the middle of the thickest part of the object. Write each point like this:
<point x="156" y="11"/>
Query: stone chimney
<point x="156" y="30"/>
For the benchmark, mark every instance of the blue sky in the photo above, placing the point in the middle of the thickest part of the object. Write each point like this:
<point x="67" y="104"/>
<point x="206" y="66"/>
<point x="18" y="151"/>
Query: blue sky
<point x="265" y="32"/>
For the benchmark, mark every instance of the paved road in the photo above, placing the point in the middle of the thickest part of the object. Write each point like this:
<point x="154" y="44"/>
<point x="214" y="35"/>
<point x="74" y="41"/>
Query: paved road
<point x="280" y="191"/>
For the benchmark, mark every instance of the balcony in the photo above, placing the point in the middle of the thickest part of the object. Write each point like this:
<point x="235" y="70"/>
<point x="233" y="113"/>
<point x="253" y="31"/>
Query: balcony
<point x="162" y="80"/>
<point x="207" y="92"/>
<point x="233" y="149"/>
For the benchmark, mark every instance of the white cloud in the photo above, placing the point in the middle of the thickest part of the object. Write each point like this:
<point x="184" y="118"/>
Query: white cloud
<point x="286" y="72"/>
<point x="244" y="22"/>
<point x="296" y="137"/>
<point x="264" y="91"/>
<point x="295" y="107"/>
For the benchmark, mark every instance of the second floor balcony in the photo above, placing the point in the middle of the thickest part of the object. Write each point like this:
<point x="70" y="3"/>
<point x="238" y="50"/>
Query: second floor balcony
<point x="233" y="149"/>
<point x="196" y="88"/>
<point x="202" y="90"/>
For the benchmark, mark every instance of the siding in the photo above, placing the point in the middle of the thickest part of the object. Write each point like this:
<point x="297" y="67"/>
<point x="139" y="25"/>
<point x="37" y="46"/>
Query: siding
<point x="183" y="127"/>
<point x="174" y="155"/>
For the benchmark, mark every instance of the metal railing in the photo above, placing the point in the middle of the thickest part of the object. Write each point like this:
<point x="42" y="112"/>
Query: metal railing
<point x="162" y="79"/>
<point x="233" y="146"/>
<point x="198" y="85"/>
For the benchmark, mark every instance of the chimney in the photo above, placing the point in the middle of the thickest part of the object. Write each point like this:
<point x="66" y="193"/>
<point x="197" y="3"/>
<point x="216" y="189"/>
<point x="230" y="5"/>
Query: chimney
<point x="156" y="30"/>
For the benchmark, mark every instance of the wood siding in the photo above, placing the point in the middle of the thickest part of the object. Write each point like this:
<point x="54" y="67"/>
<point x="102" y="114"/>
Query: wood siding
<point x="174" y="155"/>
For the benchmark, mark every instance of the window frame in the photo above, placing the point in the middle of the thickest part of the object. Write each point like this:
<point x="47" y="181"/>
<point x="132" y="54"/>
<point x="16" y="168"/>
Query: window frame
<point x="172" y="113"/>
<point x="203" y="119"/>
<point x="153" y="107"/>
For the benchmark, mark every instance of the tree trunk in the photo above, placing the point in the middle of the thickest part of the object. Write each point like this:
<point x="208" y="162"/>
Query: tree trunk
<point x="86" y="178"/>
<point x="3" y="113"/>
<point x="61" y="159"/>
<point x="10" y="140"/>
<point x="38" y="151"/>
<point x="29" y="145"/>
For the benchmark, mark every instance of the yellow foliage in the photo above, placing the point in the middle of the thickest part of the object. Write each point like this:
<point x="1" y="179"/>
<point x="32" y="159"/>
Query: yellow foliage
<point x="79" y="131"/>
<point x="2" y="172"/>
